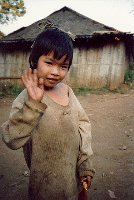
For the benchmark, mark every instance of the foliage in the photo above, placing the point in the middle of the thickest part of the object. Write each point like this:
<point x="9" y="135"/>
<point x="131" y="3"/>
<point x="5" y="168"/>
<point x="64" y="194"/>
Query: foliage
<point x="84" y="91"/>
<point x="1" y="34"/>
<point x="129" y="75"/>
<point x="10" y="9"/>
<point x="10" y="89"/>
<point x="131" y="2"/>
<point x="13" y="90"/>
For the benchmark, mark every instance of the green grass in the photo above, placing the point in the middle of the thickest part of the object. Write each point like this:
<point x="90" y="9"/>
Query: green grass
<point x="99" y="91"/>
<point x="10" y="90"/>
<point x="129" y="75"/>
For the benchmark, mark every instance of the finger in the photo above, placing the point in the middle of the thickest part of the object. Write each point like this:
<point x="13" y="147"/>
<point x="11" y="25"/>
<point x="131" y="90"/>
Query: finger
<point x="35" y="78"/>
<point x="88" y="181"/>
<point x="24" y="77"/>
<point x="81" y="179"/>
<point x="26" y="73"/>
<point x="41" y="83"/>
<point x="24" y="80"/>
<point x="29" y="74"/>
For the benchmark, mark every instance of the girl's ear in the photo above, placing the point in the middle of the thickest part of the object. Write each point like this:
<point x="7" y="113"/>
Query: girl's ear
<point x="32" y="65"/>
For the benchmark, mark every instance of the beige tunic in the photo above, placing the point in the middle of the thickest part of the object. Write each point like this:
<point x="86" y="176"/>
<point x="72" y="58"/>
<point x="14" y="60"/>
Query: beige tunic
<point x="60" y="144"/>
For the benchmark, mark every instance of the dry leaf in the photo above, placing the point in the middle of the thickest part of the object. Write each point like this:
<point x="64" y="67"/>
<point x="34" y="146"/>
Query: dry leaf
<point x="111" y="194"/>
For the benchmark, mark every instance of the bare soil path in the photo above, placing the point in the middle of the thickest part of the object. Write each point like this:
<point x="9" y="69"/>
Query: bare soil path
<point x="112" y="120"/>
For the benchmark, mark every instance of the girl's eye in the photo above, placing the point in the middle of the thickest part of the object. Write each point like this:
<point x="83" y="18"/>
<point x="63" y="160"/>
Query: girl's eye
<point x="64" y="67"/>
<point x="49" y="63"/>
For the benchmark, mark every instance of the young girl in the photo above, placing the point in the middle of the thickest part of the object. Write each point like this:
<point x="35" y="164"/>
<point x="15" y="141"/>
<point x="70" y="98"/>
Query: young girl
<point x="47" y="120"/>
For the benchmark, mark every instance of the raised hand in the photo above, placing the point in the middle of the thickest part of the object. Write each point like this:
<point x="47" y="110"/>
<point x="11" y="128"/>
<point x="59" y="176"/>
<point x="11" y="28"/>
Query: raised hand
<point x="34" y="85"/>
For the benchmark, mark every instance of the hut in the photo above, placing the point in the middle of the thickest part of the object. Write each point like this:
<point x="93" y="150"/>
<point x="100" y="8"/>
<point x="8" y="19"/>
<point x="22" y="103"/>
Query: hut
<point x="101" y="53"/>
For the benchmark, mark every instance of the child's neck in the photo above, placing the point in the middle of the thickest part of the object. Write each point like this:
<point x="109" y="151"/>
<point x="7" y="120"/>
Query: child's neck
<point x="50" y="88"/>
<point x="59" y="94"/>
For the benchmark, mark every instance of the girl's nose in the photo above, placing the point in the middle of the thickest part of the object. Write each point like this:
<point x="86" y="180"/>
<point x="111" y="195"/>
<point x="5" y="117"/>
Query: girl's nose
<point x="55" y="70"/>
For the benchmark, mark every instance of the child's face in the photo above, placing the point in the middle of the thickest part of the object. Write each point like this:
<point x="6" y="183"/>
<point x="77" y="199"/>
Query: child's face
<point x="51" y="70"/>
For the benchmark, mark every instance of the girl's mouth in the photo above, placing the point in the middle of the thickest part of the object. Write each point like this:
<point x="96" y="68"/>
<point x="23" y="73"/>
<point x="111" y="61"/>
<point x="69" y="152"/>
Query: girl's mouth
<point x="52" y="80"/>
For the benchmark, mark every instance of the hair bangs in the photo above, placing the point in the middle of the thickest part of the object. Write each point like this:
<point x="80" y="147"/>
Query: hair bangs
<point x="52" y="40"/>
<point x="59" y="46"/>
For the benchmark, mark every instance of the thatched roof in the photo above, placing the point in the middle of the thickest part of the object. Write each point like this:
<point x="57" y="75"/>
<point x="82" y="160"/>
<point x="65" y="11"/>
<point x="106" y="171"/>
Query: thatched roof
<point x="65" y="18"/>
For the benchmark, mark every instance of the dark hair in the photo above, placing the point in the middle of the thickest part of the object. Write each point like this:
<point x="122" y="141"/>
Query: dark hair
<point x="51" y="40"/>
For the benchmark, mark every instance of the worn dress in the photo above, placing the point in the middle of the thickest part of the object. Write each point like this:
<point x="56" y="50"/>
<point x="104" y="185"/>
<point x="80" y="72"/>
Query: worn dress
<point x="56" y="141"/>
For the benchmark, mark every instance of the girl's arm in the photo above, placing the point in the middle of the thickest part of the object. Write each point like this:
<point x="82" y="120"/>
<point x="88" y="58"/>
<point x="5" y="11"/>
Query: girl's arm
<point x="84" y="164"/>
<point x="24" y="116"/>
<point x="26" y="112"/>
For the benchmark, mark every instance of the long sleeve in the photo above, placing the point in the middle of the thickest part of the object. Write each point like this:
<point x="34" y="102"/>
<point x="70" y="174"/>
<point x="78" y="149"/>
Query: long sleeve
<point x="24" y="116"/>
<point x="84" y="162"/>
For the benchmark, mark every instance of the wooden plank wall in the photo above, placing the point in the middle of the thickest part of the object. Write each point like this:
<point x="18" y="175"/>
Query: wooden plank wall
<point x="92" y="67"/>
<point x="97" y="67"/>
<point x="13" y="65"/>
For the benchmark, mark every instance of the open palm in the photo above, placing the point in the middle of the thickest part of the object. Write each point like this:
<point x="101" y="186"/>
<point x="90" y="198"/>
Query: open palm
<point x="34" y="85"/>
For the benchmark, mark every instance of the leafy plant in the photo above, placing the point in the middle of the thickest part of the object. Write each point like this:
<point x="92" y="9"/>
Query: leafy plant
<point x="10" y="89"/>
<point x="129" y="75"/>
<point x="3" y="91"/>
<point x="1" y="34"/>
<point x="15" y="90"/>
<point x="10" y="9"/>
<point x="99" y="91"/>
<point x="82" y="90"/>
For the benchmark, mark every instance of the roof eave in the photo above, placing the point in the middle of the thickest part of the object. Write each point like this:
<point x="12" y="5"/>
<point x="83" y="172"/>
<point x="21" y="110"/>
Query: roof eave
<point x="103" y="33"/>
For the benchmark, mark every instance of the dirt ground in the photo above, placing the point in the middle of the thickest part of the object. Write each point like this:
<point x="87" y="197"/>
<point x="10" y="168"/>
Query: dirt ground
<point x="112" y="120"/>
